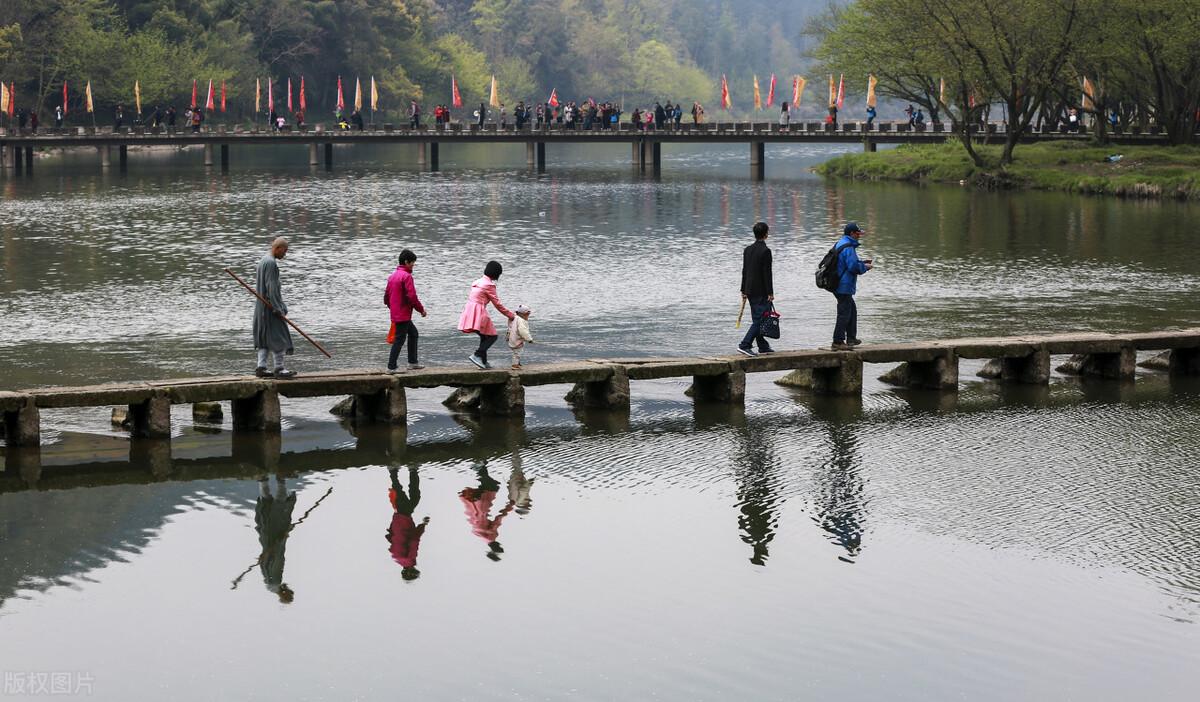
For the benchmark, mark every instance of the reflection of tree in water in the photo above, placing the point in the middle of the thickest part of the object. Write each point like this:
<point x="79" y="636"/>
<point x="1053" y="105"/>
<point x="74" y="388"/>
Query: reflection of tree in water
<point x="758" y="489"/>
<point x="839" y="486"/>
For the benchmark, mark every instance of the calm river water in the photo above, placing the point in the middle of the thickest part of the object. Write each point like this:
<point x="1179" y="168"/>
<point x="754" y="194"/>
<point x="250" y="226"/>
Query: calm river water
<point x="1001" y="543"/>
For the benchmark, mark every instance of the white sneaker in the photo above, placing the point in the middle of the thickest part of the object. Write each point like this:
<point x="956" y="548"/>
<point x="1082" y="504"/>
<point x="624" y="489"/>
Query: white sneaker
<point x="477" y="361"/>
<point x="416" y="366"/>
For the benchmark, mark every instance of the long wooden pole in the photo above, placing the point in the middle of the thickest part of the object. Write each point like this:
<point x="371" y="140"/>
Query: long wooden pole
<point x="738" y="324"/>
<point x="292" y="324"/>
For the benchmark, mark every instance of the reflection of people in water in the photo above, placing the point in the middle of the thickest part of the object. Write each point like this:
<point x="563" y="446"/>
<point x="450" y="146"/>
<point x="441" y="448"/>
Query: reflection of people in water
<point x="273" y="521"/>
<point x="403" y="534"/>
<point x="839" y="488"/>
<point x="758" y="489"/>
<point x="478" y="504"/>
<point x="518" y="486"/>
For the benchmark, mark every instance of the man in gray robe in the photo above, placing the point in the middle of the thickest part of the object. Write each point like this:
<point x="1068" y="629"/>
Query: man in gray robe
<point x="271" y="335"/>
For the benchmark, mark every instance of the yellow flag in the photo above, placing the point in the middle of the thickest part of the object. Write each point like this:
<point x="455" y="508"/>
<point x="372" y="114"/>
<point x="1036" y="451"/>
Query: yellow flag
<point x="942" y="91"/>
<point x="137" y="96"/>
<point x="87" y="96"/>
<point x="3" y="98"/>
<point x="832" y="91"/>
<point x="374" y="95"/>
<point x="871" y="90"/>
<point x="257" y="95"/>
<point x="357" y="94"/>
<point x="1088" y="103"/>
<point x="757" y="95"/>
<point x="798" y="90"/>
<point x="495" y="100"/>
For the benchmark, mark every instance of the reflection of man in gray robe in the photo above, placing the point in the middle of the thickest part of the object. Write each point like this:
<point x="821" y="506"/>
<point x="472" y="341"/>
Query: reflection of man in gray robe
<point x="271" y="334"/>
<point x="273" y="521"/>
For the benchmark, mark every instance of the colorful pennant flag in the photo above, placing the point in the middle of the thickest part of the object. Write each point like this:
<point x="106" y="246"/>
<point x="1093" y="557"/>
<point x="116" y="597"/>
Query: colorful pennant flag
<point x="341" y="101"/>
<point x="357" y="94"/>
<point x="209" y="102"/>
<point x="797" y="90"/>
<point x="832" y="92"/>
<point x="771" y="92"/>
<point x="757" y="95"/>
<point x="494" y="100"/>
<point x="3" y="98"/>
<point x="871" y="90"/>
<point x="87" y="97"/>
<point x="303" y="100"/>
<point x="12" y="98"/>
<point x="193" y="93"/>
<point x="374" y="95"/>
<point x="553" y="101"/>
<point x="289" y="89"/>
<point x="942" y="91"/>
<point x="455" y="97"/>
<point x="222" y="95"/>
<point x="725" y="101"/>
<point x="137" y="96"/>
<point x="1088" y="102"/>
<point x="270" y="95"/>
<point x="257" y="95"/>
<point x="64" y="102"/>
<point x="841" y="90"/>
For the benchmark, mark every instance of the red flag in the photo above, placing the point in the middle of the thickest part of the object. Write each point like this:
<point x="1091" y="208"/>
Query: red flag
<point x="12" y="99"/>
<point x="725" y="103"/>
<point x="193" y="93"/>
<point x="553" y="101"/>
<point x="841" y="90"/>
<point x="771" y="92"/>
<point x="303" y="106"/>
<point x="455" y="98"/>
<point x="290" y="94"/>
<point x="341" y="103"/>
<point x="222" y="95"/>
<point x="209" y="104"/>
<point x="64" y="98"/>
<point x="270" y="96"/>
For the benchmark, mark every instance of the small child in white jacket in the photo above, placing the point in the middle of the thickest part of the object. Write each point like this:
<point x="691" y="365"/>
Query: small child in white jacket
<point x="518" y="334"/>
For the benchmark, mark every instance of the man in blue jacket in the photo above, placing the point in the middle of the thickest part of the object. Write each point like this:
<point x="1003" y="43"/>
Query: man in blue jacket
<point x="845" y="332"/>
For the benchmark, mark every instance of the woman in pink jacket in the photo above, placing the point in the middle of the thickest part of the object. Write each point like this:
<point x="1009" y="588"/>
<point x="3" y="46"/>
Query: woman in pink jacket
<point x="475" y="319"/>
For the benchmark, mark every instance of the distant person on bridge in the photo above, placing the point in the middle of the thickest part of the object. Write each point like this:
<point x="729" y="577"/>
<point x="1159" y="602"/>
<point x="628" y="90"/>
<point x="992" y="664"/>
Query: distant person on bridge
<point x="58" y="117"/>
<point x="832" y="118"/>
<point x="849" y="267"/>
<point x="171" y="116"/>
<point x="697" y="113"/>
<point x="474" y="318"/>
<point x="785" y="115"/>
<point x="414" y="115"/>
<point x="197" y="120"/>
<point x="357" y="120"/>
<point x="272" y="339"/>
<point x="758" y="288"/>
<point x="156" y="118"/>
<point x="400" y="297"/>
<point x="119" y="118"/>
<point x="481" y="115"/>
<point x="871" y="114"/>
<point x="33" y="121"/>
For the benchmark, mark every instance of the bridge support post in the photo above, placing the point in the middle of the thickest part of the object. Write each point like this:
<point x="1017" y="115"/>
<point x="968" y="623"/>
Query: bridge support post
<point x="422" y="153"/>
<point x="29" y="159"/>
<point x="1033" y="369"/>
<point x="433" y="156"/>
<point x="758" y="159"/>
<point x="224" y="158"/>
<point x="313" y="159"/>
<point x="869" y="145"/>
<point x="1120" y="365"/>
<point x="640" y="147"/>
<point x="389" y="406"/>
<point x="845" y="379"/>
<point x="23" y="425"/>
<point x="726" y="387"/>
<point x="329" y="156"/>
<point x="612" y="393"/>
<point x="123" y="158"/>
<point x="656" y="156"/>
<point x="940" y="373"/>
<point x="541" y="157"/>
<point x="258" y="412"/>
<point x="152" y="418"/>
<point x="505" y="399"/>
<point x="1184" y="362"/>
<point x="530" y="155"/>
<point x="208" y="155"/>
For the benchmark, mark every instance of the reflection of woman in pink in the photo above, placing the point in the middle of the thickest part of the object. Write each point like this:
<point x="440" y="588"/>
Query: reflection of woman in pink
<point x="403" y="535"/>
<point x="478" y="505"/>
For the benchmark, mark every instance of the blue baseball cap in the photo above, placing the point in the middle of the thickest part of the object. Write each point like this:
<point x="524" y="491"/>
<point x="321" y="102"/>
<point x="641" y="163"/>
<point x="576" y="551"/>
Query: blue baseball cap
<point x="851" y="227"/>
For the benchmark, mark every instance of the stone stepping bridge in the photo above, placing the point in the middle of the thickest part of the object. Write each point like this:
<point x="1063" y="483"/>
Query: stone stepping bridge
<point x="604" y="383"/>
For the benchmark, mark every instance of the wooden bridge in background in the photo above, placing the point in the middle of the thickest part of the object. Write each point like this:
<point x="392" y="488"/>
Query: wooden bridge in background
<point x="17" y="146"/>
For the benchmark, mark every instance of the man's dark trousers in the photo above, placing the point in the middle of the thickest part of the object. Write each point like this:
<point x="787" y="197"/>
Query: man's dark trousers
<point x="405" y="331"/>
<point x="847" y="319"/>
<point x="759" y="306"/>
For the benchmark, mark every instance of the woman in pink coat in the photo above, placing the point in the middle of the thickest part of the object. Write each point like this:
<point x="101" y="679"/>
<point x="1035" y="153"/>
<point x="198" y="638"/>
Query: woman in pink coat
<point x="475" y="319"/>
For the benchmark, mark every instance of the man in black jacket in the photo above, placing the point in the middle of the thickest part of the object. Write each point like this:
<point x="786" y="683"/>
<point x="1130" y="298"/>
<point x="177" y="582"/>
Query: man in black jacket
<point x="757" y="288"/>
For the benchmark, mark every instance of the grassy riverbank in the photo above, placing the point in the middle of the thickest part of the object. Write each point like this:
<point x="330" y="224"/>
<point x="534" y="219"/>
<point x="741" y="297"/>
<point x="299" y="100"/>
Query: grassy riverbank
<point x="1142" y="172"/>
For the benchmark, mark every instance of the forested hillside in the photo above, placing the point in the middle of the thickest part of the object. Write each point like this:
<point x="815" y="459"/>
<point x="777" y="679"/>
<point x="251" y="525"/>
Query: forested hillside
<point x="606" y="49"/>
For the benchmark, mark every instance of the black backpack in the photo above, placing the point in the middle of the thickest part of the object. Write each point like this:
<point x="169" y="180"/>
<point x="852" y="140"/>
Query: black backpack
<point x="828" y="275"/>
